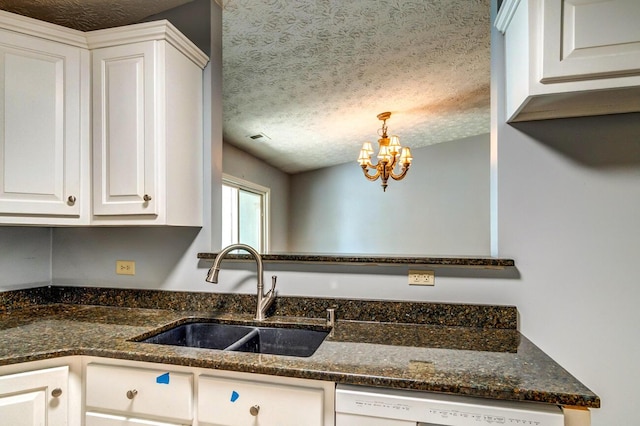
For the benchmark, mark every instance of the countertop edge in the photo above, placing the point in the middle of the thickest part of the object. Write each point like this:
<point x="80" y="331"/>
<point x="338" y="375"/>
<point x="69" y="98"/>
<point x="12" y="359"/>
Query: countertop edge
<point x="561" y="399"/>
<point x="328" y="259"/>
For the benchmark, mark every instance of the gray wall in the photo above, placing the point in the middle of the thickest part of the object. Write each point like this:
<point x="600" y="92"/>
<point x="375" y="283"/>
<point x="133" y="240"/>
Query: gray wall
<point x="441" y="207"/>
<point x="569" y="213"/>
<point x="25" y="257"/>
<point x="240" y="164"/>
<point x="192" y="21"/>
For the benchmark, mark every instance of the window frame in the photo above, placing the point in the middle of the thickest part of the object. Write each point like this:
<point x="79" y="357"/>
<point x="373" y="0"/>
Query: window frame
<point x="265" y="193"/>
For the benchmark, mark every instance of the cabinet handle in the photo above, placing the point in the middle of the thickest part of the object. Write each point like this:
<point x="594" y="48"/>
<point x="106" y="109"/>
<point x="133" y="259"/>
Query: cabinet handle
<point x="71" y="200"/>
<point x="132" y="393"/>
<point x="56" y="392"/>
<point x="254" y="410"/>
<point x="147" y="197"/>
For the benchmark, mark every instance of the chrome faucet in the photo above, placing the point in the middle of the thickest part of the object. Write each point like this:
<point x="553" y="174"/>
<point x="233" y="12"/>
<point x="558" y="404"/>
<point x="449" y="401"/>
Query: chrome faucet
<point x="264" y="300"/>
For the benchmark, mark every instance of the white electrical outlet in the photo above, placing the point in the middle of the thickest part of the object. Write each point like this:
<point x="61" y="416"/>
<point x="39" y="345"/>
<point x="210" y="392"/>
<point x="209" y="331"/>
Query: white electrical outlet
<point x="422" y="278"/>
<point x="125" y="267"/>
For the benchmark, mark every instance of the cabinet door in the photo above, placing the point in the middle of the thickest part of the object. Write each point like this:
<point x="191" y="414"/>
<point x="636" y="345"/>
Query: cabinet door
<point x="34" y="398"/>
<point x="590" y="39"/>
<point x="125" y="103"/>
<point x="139" y="393"/>
<point x="39" y="126"/>
<point x="231" y="402"/>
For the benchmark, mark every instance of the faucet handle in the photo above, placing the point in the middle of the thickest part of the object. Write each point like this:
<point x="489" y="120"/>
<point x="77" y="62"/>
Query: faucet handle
<point x="273" y="283"/>
<point x="331" y="317"/>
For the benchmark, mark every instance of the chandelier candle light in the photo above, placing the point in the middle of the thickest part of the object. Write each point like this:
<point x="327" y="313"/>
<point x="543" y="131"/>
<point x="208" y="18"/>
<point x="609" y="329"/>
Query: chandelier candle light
<point x="390" y="154"/>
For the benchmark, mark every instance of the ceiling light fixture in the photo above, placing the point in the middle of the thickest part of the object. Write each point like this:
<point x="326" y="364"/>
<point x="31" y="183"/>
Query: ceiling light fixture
<point x="390" y="154"/>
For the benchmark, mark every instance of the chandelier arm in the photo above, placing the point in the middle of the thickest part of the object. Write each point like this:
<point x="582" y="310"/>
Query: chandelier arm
<point x="389" y="168"/>
<point x="403" y="172"/>
<point x="394" y="163"/>
<point x="365" y="170"/>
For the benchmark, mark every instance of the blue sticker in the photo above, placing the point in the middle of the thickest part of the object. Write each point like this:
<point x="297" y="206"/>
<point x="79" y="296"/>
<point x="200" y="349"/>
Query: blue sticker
<point x="163" y="379"/>
<point x="234" y="396"/>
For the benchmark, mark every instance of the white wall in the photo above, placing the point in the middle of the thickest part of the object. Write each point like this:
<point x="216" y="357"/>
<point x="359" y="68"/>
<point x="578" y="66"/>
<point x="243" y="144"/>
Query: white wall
<point x="441" y="207"/>
<point x="240" y="164"/>
<point x="25" y="257"/>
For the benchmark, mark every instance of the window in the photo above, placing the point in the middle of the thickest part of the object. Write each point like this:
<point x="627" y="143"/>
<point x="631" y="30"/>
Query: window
<point x="245" y="207"/>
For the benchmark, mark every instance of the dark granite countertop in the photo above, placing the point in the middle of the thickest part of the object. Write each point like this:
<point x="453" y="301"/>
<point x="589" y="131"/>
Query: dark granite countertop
<point x="356" y="259"/>
<point x="487" y="358"/>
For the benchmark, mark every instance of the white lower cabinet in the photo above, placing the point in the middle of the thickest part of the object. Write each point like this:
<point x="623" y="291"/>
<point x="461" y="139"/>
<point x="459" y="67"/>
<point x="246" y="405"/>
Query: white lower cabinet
<point x="232" y="402"/>
<point x="124" y="395"/>
<point x="35" y="398"/>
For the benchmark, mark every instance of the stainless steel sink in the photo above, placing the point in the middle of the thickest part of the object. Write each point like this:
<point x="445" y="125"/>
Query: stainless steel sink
<point x="300" y="342"/>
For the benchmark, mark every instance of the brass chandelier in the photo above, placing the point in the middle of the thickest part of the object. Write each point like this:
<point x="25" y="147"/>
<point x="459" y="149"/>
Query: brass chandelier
<point x="390" y="155"/>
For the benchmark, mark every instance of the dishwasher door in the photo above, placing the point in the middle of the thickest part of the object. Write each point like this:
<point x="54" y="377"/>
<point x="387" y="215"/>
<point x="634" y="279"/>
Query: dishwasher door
<point x="343" y="419"/>
<point x="366" y="406"/>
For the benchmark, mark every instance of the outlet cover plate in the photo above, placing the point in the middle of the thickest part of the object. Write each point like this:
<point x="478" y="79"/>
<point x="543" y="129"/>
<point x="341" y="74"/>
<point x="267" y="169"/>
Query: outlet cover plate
<point x="125" y="267"/>
<point x="421" y="277"/>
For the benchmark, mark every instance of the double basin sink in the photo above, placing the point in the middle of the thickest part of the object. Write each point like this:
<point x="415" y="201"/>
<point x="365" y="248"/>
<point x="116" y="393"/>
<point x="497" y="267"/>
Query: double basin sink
<point x="300" y="342"/>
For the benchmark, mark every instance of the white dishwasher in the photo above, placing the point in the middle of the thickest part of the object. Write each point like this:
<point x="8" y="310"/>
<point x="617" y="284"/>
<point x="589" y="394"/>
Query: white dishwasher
<point x="366" y="406"/>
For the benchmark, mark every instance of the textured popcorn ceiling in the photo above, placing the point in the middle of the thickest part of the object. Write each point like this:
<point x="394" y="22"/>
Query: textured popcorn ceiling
<point x="312" y="75"/>
<point x="88" y="15"/>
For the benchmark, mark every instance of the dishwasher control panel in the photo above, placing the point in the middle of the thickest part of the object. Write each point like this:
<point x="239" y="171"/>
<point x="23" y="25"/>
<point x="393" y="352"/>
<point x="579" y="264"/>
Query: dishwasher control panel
<point x="441" y="410"/>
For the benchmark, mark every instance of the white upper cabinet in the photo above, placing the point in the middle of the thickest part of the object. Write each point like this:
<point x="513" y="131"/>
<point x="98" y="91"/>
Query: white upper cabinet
<point x="147" y="126"/>
<point x="124" y="111"/>
<point x="570" y="58"/>
<point x="100" y="128"/>
<point x="43" y="123"/>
